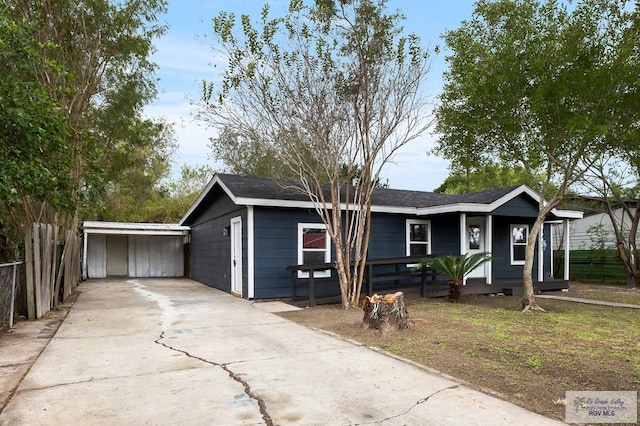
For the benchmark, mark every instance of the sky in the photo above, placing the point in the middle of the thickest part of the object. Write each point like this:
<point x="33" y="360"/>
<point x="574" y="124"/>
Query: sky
<point x="185" y="56"/>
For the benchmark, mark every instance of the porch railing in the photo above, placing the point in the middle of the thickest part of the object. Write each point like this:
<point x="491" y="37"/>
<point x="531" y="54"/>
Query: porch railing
<point x="379" y="275"/>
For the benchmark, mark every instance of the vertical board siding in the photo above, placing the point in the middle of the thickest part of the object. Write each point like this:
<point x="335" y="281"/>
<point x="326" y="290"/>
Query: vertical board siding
<point x="210" y="261"/>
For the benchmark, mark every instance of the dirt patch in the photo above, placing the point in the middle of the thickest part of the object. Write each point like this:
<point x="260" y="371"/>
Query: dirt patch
<point x="529" y="359"/>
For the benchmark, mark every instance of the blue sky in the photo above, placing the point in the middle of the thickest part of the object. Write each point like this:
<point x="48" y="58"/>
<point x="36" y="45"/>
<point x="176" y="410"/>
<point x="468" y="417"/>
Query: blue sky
<point x="185" y="57"/>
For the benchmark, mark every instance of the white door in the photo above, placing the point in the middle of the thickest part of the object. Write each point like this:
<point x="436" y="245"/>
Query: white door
<point x="236" y="256"/>
<point x="476" y="242"/>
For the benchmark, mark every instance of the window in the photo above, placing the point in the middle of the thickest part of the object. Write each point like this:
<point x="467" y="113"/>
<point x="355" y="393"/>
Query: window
<point x="519" y="238"/>
<point x="418" y="237"/>
<point x="313" y="248"/>
<point x="474" y="237"/>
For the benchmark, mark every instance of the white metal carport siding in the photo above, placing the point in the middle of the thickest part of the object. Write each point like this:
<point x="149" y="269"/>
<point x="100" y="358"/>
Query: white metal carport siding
<point x="153" y="250"/>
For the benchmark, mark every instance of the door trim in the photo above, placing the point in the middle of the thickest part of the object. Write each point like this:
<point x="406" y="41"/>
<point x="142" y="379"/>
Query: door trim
<point x="236" y="262"/>
<point x="481" y="222"/>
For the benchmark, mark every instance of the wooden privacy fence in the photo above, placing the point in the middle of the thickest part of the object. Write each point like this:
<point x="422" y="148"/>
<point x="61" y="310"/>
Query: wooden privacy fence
<point x="52" y="257"/>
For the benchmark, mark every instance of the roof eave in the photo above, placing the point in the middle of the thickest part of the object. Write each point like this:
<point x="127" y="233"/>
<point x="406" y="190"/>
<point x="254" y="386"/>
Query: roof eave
<point x="214" y="180"/>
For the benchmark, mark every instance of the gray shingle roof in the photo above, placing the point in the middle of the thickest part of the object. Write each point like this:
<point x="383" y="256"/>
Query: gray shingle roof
<point x="261" y="188"/>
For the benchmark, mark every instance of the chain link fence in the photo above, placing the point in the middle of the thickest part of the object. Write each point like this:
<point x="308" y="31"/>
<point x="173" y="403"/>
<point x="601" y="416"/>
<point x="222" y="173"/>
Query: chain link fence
<point x="10" y="277"/>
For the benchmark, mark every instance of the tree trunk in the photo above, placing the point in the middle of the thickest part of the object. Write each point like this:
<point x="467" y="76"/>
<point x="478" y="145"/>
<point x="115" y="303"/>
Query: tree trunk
<point x="455" y="290"/>
<point x="385" y="313"/>
<point x="528" y="300"/>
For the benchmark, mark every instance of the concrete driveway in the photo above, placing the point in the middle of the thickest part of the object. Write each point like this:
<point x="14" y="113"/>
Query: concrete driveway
<point x="176" y="352"/>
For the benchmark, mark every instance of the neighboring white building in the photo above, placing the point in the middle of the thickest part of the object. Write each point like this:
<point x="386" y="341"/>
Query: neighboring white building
<point x="593" y="231"/>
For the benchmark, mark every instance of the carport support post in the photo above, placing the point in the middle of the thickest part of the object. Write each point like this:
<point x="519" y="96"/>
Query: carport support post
<point x="566" y="249"/>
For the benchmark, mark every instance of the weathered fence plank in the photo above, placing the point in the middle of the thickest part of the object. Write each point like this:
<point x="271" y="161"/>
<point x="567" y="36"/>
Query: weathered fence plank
<point x="28" y="257"/>
<point x="37" y="267"/>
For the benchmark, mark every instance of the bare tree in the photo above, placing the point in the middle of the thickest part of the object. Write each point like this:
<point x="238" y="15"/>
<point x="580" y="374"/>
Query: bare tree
<point x="326" y="85"/>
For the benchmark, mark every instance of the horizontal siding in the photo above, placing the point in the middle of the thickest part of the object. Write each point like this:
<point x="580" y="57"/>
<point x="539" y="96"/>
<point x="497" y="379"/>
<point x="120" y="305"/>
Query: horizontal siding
<point x="445" y="234"/>
<point x="276" y="247"/>
<point x="210" y="259"/>
<point x="501" y="250"/>
<point x="388" y="236"/>
<point x="276" y="243"/>
<point x="521" y="206"/>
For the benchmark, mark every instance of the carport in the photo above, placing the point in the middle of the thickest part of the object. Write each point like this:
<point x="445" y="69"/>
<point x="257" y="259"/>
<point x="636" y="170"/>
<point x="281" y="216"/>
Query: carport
<point x="118" y="249"/>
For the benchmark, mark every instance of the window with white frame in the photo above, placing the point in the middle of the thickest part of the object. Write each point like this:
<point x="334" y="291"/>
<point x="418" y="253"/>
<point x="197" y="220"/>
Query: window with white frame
<point x="519" y="238"/>
<point x="418" y="237"/>
<point x="313" y="248"/>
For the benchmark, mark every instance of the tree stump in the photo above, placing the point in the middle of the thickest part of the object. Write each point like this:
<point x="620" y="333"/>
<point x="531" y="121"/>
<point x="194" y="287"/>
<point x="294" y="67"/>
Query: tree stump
<point x="385" y="313"/>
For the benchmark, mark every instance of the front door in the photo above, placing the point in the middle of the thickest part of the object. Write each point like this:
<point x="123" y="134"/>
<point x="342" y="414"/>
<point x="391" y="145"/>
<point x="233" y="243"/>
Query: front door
<point x="476" y="242"/>
<point x="236" y="256"/>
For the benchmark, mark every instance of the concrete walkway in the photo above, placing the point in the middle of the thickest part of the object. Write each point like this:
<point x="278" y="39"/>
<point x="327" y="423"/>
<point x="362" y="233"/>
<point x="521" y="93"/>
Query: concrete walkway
<point x="590" y="301"/>
<point x="175" y="352"/>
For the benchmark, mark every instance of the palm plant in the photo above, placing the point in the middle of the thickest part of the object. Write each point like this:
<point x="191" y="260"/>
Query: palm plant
<point x="456" y="268"/>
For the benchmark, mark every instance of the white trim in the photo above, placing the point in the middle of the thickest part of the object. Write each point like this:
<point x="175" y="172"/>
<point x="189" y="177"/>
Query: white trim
<point x="541" y="254"/>
<point x="250" y="253"/>
<point x="463" y="234"/>
<point x="488" y="208"/>
<point x="407" y="245"/>
<point x="233" y="222"/>
<point x="511" y="244"/>
<point x="419" y="211"/>
<point x="133" y="232"/>
<point x="215" y="179"/>
<point x="85" y="273"/>
<point x="551" y="256"/>
<point x="128" y="228"/>
<point x="311" y="205"/>
<point x="488" y="248"/>
<point x="327" y="254"/>
<point x="566" y="249"/>
<point x="481" y="221"/>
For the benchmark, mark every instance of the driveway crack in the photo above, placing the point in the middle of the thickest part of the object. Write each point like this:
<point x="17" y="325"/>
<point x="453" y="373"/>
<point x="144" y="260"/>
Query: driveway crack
<point x="247" y="387"/>
<point x="418" y="402"/>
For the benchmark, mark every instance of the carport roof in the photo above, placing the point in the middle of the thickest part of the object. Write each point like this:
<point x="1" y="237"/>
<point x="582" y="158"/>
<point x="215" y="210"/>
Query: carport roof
<point x="127" y="228"/>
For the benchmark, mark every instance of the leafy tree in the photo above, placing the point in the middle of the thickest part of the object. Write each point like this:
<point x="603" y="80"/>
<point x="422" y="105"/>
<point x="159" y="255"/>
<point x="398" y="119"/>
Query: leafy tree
<point x="253" y="158"/>
<point x="531" y="84"/>
<point x="330" y="84"/>
<point x="487" y="176"/>
<point x="103" y="80"/>
<point x="33" y="131"/>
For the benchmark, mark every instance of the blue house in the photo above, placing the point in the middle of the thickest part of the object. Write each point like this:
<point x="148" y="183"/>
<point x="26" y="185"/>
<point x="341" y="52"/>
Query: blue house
<point x="246" y="231"/>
